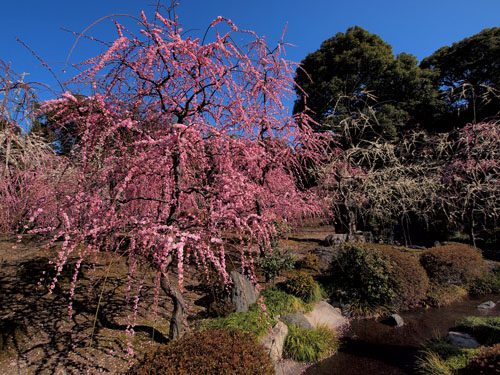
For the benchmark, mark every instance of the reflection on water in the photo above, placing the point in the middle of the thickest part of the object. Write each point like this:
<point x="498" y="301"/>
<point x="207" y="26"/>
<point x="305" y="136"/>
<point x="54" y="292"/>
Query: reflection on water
<point x="371" y="347"/>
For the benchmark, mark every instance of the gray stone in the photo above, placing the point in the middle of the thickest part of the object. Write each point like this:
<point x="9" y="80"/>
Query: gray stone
<point x="395" y="320"/>
<point x="417" y="247"/>
<point x="274" y="341"/>
<point x="325" y="315"/>
<point x="335" y="239"/>
<point x="464" y="340"/>
<point x="326" y="254"/>
<point x="242" y="293"/>
<point x="299" y="320"/>
<point x="488" y="305"/>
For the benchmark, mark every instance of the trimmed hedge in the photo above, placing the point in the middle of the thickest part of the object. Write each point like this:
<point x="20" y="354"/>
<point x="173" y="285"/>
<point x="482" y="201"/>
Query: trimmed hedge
<point x="369" y="277"/>
<point x="486" y="362"/>
<point x="209" y="352"/>
<point x="302" y="285"/>
<point x="454" y="263"/>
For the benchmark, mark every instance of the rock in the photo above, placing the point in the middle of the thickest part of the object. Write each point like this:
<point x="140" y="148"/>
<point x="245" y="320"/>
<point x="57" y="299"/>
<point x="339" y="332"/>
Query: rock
<point x="325" y="315"/>
<point x="274" y="341"/>
<point x="488" y="305"/>
<point x="243" y="292"/>
<point x="416" y="247"/>
<point x="464" y="340"/>
<point x="334" y="239"/>
<point x="437" y="243"/>
<point x="326" y="254"/>
<point x="394" y="320"/>
<point x="299" y="320"/>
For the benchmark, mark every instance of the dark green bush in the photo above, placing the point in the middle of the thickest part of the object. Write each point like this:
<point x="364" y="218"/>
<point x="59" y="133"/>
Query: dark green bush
<point x="485" y="329"/>
<point x="208" y="352"/>
<point x="486" y="283"/>
<point x="486" y="362"/>
<point x="454" y="263"/>
<point x="442" y="295"/>
<point x="369" y="277"/>
<point x="439" y="357"/>
<point x="302" y="285"/>
<point x="310" y="262"/>
<point x="276" y="262"/>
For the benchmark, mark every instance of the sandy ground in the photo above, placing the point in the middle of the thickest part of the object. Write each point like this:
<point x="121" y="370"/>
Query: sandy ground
<point x="45" y="340"/>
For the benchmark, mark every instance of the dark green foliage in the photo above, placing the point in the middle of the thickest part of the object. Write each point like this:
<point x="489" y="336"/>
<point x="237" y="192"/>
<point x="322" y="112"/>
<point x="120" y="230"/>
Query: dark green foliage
<point x="466" y="72"/>
<point x="486" y="362"/>
<point x="439" y="357"/>
<point x="209" y="352"/>
<point x="255" y="321"/>
<point x="369" y="277"/>
<point x="486" y="283"/>
<point x="485" y="330"/>
<point x="309" y="345"/>
<point x="454" y="263"/>
<point x="278" y="261"/>
<point x="355" y="71"/>
<point x="442" y="295"/>
<point x="310" y="263"/>
<point x="302" y="285"/>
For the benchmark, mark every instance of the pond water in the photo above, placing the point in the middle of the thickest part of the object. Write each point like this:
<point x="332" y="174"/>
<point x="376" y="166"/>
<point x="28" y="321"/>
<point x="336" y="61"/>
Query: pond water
<point x="371" y="347"/>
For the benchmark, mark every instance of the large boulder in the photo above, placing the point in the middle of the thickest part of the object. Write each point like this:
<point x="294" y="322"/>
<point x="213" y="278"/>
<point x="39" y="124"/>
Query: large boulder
<point x="243" y="292"/>
<point x="325" y="315"/>
<point x="334" y="239"/>
<point x="464" y="340"/>
<point x="488" y="305"/>
<point x="298" y="320"/>
<point x="326" y="254"/>
<point x="274" y="341"/>
<point x="394" y="320"/>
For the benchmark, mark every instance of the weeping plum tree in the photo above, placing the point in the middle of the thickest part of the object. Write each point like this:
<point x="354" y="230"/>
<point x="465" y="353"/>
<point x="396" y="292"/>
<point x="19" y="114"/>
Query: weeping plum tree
<point x="181" y="142"/>
<point x="471" y="177"/>
<point x="28" y="166"/>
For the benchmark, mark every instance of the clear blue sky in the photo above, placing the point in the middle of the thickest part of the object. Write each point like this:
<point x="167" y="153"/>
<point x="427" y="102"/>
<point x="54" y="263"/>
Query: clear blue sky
<point x="416" y="27"/>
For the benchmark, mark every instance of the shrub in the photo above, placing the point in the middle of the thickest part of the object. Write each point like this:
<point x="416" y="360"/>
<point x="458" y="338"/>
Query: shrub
<point x="278" y="261"/>
<point x="454" y="263"/>
<point x="371" y="278"/>
<point x="438" y="357"/>
<point x="310" y="262"/>
<point x="308" y="345"/>
<point x="487" y="362"/>
<point x="441" y="295"/>
<point x="303" y="286"/>
<point x="487" y="283"/>
<point x="209" y="352"/>
<point x="486" y="330"/>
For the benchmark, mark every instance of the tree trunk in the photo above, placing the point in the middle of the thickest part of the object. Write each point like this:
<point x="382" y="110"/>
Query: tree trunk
<point x="177" y="320"/>
<point x="472" y="235"/>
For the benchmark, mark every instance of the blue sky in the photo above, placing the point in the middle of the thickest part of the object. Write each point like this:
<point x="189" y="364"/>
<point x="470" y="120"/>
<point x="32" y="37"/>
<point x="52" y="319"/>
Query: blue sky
<point x="416" y="27"/>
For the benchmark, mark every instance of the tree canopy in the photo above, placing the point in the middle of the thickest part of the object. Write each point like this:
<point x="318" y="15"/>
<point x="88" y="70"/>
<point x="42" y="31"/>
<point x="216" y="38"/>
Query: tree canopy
<point x="468" y="75"/>
<point x="355" y="71"/>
